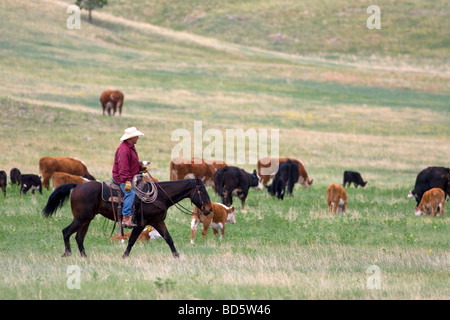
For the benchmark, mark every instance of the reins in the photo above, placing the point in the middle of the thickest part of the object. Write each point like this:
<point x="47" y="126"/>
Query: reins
<point x="179" y="206"/>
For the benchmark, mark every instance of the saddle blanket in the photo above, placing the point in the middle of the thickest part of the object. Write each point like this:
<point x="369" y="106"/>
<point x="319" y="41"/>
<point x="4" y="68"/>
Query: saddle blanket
<point x="106" y="192"/>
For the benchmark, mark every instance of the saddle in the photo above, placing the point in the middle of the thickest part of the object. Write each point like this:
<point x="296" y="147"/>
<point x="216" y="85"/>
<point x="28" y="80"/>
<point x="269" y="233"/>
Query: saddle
<point x="111" y="192"/>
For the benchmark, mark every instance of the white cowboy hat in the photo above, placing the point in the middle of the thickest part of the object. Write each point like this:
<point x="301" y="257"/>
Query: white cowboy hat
<point x="131" y="133"/>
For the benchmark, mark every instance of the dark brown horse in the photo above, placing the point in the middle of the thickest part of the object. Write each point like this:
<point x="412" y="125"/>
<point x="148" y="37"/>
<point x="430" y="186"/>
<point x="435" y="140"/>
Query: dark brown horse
<point x="86" y="201"/>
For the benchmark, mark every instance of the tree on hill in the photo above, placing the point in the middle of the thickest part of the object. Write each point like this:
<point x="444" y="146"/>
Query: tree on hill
<point x="91" y="5"/>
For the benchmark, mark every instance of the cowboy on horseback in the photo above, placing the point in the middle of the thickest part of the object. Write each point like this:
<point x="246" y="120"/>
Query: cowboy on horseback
<point x="126" y="166"/>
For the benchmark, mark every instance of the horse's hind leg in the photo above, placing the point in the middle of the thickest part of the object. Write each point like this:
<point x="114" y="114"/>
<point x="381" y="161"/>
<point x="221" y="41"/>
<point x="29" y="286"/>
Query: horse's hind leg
<point x="82" y="230"/>
<point x="67" y="232"/>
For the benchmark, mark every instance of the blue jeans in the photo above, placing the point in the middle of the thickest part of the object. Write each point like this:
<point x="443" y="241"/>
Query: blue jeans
<point x="127" y="201"/>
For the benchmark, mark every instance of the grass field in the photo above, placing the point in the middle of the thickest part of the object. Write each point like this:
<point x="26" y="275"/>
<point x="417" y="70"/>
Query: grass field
<point x="382" y="110"/>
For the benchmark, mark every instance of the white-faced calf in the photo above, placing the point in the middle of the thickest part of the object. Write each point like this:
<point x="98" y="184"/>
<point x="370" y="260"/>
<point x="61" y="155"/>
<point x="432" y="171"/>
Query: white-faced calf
<point x="217" y="219"/>
<point x="432" y="200"/>
<point x="336" y="198"/>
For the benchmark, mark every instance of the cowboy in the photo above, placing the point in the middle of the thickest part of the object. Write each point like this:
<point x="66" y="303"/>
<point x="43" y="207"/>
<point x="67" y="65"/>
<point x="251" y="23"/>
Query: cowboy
<point x="126" y="166"/>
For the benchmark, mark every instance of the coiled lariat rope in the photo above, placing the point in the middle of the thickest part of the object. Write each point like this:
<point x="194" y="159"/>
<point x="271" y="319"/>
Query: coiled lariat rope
<point x="144" y="181"/>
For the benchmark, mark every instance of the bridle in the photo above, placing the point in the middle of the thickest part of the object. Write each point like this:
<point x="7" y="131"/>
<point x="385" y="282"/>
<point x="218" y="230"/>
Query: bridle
<point x="191" y="196"/>
<point x="197" y="190"/>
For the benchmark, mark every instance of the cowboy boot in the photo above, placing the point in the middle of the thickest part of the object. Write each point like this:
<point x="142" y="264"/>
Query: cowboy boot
<point x="128" y="223"/>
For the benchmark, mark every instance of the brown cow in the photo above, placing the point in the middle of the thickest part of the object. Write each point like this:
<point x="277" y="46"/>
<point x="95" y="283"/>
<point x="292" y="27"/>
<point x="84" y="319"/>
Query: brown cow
<point x="265" y="164"/>
<point x="189" y="169"/>
<point x="217" y="219"/>
<point x="112" y="100"/>
<point x="60" y="178"/>
<point x="336" y="198"/>
<point x="49" y="165"/>
<point x="432" y="200"/>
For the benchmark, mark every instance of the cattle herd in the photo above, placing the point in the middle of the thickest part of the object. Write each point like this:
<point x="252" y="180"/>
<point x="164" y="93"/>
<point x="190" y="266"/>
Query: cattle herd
<point x="431" y="188"/>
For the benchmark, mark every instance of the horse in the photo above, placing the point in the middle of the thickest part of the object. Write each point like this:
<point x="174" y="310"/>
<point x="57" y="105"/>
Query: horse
<point x="86" y="202"/>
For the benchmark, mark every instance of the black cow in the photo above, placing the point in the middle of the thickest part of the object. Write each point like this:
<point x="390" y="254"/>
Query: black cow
<point x="355" y="177"/>
<point x="3" y="182"/>
<point x="14" y="175"/>
<point x="30" y="181"/>
<point x="287" y="174"/>
<point x="233" y="181"/>
<point x="429" y="178"/>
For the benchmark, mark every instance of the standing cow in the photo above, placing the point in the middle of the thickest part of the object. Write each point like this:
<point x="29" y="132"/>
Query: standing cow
<point x="429" y="178"/>
<point x="233" y="181"/>
<point x="49" y="165"/>
<point x="287" y="175"/>
<point x="204" y="169"/>
<point x="14" y="175"/>
<point x="355" y="177"/>
<point x="112" y="100"/>
<point x="60" y="178"/>
<point x="3" y="182"/>
<point x="221" y="214"/>
<point x="268" y="167"/>
<point x="336" y="198"/>
<point x="432" y="201"/>
<point x="30" y="181"/>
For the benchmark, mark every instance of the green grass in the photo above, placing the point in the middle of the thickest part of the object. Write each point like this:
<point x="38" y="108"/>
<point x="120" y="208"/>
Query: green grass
<point x="337" y="108"/>
<point x="277" y="250"/>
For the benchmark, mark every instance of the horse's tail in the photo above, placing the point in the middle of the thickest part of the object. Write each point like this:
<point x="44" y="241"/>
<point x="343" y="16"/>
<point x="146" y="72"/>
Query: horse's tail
<point x="57" y="199"/>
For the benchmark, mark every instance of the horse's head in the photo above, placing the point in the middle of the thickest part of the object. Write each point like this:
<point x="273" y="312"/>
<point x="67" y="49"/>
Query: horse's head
<point x="200" y="197"/>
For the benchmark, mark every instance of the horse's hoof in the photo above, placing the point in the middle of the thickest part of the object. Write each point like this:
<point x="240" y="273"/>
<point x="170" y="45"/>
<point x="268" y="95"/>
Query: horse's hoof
<point x="66" y="254"/>
<point x="176" y="255"/>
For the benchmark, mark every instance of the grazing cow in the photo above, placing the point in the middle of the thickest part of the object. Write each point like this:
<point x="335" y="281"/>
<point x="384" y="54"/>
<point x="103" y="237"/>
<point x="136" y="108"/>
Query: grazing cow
<point x="49" y="165"/>
<point x="60" y="178"/>
<point x="3" y="179"/>
<point x="14" y="175"/>
<point x="355" y="177"/>
<point x="30" y="181"/>
<point x="112" y="100"/>
<point x="432" y="200"/>
<point x="336" y="198"/>
<point x="233" y="181"/>
<point x="217" y="219"/>
<point x="287" y="174"/>
<point x="268" y="167"/>
<point x="428" y="178"/>
<point x="204" y="169"/>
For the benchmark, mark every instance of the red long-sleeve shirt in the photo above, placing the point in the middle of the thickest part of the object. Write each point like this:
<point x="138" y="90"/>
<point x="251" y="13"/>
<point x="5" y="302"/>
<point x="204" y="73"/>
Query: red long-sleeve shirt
<point x="126" y="163"/>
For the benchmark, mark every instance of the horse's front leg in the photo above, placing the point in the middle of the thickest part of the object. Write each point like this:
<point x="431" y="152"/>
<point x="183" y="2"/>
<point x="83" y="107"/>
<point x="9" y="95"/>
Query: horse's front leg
<point x="162" y="229"/>
<point x="133" y="237"/>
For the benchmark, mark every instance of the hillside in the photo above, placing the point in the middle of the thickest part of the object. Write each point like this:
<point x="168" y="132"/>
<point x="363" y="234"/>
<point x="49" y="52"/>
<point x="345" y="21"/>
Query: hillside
<point x="409" y="29"/>
<point x="173" y="77"/>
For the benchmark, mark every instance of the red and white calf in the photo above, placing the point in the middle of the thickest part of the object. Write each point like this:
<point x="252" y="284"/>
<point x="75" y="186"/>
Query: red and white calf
<point x="432" y="200"/>
<point x="217" y="219"/>
<point x="336" y="198"/>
